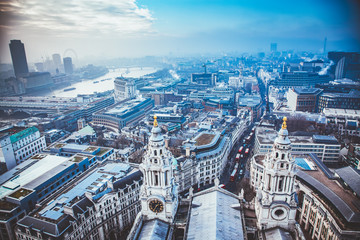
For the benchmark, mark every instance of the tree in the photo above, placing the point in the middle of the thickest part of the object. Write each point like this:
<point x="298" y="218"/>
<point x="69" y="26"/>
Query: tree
<point x="100" y="141"/>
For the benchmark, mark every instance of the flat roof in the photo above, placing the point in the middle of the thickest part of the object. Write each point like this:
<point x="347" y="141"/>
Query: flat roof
<point x="249" y="101"/>
<point x="125" y="107"/>
<point x="16" y="170"/>
<point x="204" y="139"/>
<point x="94" y="183"/>
<point x="36" y="174"/>
<point x="267" y="136"/>
<point x="351" y="94"/>
<point x="305" y="91"/>
<point x="341" y="112"/>
<point x="325" y="139"/>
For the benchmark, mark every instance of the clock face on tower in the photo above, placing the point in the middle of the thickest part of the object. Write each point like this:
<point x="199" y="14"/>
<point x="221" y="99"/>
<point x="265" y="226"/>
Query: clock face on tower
<point x="156" y="206"/>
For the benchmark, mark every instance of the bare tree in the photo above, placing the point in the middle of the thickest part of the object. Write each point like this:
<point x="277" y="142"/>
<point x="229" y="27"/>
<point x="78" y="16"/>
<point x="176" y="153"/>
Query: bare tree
<point x="297" y="123"/>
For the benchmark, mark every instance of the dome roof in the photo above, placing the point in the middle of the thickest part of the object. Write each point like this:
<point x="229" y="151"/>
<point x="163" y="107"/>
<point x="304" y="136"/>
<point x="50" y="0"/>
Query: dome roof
<point x="156" y="135"/>
<point x="283" y="134"/>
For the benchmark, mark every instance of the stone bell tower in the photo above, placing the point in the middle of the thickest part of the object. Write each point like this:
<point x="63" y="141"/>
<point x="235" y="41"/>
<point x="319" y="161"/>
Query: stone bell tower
<point x="159" y="197"/>
<point x="275" y="204"/>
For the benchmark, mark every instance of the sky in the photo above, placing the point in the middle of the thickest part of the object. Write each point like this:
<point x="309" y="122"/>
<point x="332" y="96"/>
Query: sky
<point x="93" y="29"/>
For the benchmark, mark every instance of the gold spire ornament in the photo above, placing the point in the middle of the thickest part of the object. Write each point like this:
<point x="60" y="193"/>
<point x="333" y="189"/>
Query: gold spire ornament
<point x="284" y="123"/>
<point x="155" y="121"/>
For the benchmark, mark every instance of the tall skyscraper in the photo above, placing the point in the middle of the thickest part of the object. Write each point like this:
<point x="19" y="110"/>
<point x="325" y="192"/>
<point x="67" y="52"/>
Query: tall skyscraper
<point x="57" y="60"/>
<point x="273" y="47"/>
<point x="68" y="66"/>
<point x="18" y="58"/>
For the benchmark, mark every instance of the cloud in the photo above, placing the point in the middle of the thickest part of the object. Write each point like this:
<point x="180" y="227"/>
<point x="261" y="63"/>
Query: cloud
<point x="76" y="17"/>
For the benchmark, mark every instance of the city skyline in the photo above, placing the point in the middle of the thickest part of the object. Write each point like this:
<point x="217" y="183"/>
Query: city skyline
<point x="128" y="28"/>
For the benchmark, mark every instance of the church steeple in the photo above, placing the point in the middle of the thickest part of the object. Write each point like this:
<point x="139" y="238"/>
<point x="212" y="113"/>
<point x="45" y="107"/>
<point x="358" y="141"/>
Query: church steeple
<point x="275" y="204"/>
<point x="159" y="192"/>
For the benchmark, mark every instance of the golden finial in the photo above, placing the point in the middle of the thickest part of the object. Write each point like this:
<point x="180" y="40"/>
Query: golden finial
<point x="155" y="121"/>
<point x="284" y="123"/>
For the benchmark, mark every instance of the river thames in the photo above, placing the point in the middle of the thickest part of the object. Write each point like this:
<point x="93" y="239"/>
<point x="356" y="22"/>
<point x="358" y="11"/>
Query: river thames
<point x="100" y="84"/>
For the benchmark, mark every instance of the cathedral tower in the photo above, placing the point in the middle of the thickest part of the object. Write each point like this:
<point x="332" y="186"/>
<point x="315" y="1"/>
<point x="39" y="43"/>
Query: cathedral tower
<point x="275" y="204"/>
<point x="159" y="198"/>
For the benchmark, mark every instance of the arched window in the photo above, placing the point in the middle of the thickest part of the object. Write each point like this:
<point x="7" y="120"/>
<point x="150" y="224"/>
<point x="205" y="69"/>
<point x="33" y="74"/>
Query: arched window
<point x="277" y="155"/>
<point x="155" y="153"/>
<point x="160" y="151"/>
<point x="283" y="156"/>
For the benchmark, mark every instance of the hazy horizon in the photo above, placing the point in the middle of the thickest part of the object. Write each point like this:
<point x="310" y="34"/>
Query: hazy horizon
<point x="127" y="28"/>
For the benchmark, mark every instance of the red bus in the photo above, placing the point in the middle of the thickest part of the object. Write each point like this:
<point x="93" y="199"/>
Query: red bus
<point x="234" y="172"/>
<point x="237" y="158"/>
<point x="247" y="151"/>
<point x="240" y="149"/>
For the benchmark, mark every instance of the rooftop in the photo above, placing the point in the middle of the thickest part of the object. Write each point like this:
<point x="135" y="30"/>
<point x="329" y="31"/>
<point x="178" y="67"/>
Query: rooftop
<point x="306" y="91"/>
<point x="249" y="100"/>
<point x="215" y="214"/>
<point x="204" y="139"/>
<point x="351" y="94"/>
<point x="11" y="130"/>
<point x="154" y="230"/>
<point x="268" y="135"/>
<point x="22" y="192"/>
<point x="95" y="183"/>
<point x="125" y="107"/>
<point x="351" y="177"/>
<point x="36" y="174"/>
<point x="342" y="199"/>
<point x="7" y="206"/>
<point x="18" y="133"/>
<point x="341" y="112"/>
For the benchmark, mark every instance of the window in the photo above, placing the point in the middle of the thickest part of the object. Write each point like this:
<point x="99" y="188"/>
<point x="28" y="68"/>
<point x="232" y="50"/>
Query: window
<point x="156" y="179"/>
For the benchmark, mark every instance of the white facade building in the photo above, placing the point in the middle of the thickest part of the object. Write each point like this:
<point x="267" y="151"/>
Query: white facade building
<point x="345" y="121"/>
<point x="18" y="144"/>
<point x="205" y="159"/>
<point x="101" y="205"/>
<point x="327" y="148"/>
<point x="124" y="88"/>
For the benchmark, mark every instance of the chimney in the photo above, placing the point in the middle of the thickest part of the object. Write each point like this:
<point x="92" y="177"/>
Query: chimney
<point x="188" y="151"/>
<point x="166" y="140"/>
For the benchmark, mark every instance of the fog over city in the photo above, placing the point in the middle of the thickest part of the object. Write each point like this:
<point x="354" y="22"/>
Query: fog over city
<point x="179" y="119"/>
<point x="128" y="28"/>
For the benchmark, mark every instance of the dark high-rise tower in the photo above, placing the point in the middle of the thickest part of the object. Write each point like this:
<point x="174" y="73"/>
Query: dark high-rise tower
<point x="57" y="60"/>
<point x="18" y="57"/>
<point x="68" y="66"/>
